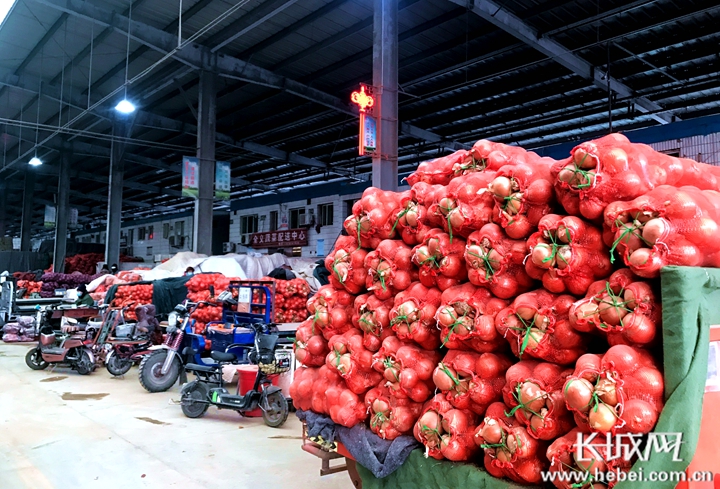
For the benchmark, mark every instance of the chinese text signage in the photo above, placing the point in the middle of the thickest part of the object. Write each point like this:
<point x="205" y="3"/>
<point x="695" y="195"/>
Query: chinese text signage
<point x="222" y="180"/>
<point x="279" y="239"/>
<point x="190" y="169"/>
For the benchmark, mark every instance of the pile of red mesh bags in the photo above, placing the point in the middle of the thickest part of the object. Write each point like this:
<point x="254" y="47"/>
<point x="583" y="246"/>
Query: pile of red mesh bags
<point x="352" y="361"/>
<point x="463" y="207"/>
<point x="373" y="217"/>
<point x="497" y="262"/>
<point x="471" y="380"/>
<point x="618" y="392"/>
<point x="466" y="318"/>
<point x="567" y="254"/>
<point x="445" y="431"/>
<point x="372" y="316"/>
<point x="310" y="346"/>
<point x="536" y="325"/>
<point x="290" y="299"/>
<point x="413" y="315"/>
<point x="407" y="369"/>
<point x="481" y="310"/>
<point x="666" y="226"/>
<point x="508" y="449"/>
<point x="612" y="169"/>
<point x="623" y="308"/>
<point x="441" y="260"/>
<point x="346" y="265"/>
<point x="534" y="391"/>
<point x="331" y="310"/>
<point x="389" y="269"/>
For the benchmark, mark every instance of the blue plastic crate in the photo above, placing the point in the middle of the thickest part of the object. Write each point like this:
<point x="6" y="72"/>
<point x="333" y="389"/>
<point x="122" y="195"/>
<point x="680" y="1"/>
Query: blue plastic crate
<point x="222" y="338"/>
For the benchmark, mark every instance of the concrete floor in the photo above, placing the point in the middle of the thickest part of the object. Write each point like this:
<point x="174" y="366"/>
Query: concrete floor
<point x="115" y="435"/>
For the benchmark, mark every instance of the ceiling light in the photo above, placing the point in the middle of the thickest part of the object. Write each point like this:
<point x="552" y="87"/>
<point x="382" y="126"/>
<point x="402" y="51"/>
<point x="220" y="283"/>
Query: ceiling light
<point x="35" y="161"/>
<point x="125" y="107"/>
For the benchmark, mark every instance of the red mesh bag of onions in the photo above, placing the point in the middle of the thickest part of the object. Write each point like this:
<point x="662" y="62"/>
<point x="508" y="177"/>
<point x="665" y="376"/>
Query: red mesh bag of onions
<point x="588" y="460"/>
<point x="496" y="262"/>
<point x="612" y="169"/>
<point x="441" y="170"/>
<point x="309" y="386"/>
<point x="460" y="208"/>
<point x="534" y="391"/>
<point x="344" y="406"/>
<point x="391" y="416"/>
<point x="372" y="316"/>
<point x="332" y="310"/>
<point x="352" y="361"/>
<point x="567" y="254"/>
<point x="619" y="392"/>
<point x="373" y="217"/>
<point x="623" y="308"/>
<point x="413" y="315"/>
<point x="536" y="325"/>
<point x="471" y="380"/>
<point x="310" y="346"/>
<point x="407" y="369"/>
<point x="509" y="451"/>
<point x="523" y="194"/>
<point x="413" y="219"/>
<point x="666" y="226"/>
<point x="346" y="264"/>
<point x="390" y="269"/>
<point x="441" y="260"/>
<point x="466" y="318"/>
<point x="445" y="431"/>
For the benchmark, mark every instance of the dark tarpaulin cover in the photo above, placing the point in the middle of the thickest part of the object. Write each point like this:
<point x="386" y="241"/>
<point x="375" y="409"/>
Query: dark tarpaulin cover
<point x="167" y="293"/>
<point x="22" y="261"/>
<point x="691" y="303"/>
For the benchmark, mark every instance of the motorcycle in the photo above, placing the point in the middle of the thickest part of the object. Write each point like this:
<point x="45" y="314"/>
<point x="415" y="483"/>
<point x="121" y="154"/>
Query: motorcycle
<point x="75" y="346"/>
<point x="207" y="390"/>
<point x="129" y="347"/>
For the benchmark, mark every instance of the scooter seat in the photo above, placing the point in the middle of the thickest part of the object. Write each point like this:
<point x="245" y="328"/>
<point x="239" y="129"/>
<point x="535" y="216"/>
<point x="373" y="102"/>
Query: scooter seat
<point x="222" y="356"/>
<point x="194" y="367"/>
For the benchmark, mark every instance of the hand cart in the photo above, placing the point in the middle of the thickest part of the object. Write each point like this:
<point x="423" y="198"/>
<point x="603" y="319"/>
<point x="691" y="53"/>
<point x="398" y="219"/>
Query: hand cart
<point x="331" y="451"/>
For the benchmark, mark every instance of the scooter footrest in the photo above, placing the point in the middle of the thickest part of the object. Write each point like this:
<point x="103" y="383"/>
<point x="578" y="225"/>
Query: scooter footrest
<point x="234" y="401"/>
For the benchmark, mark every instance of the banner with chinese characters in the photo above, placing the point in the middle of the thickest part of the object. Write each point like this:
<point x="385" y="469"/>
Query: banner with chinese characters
<point x="49" y="216"/>
<point x="222" y="180"/>
<point x="370" y="132"/>
<point x="190" y="168"/>
<point x="280" y="239"/>
<point x="73" y="218"/>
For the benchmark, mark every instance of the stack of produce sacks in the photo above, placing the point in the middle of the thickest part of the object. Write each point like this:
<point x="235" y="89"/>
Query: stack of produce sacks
<point x="31" y="287"/>
<point x="83" y="263"/>
<point x="290" y="300"/>
<point x="485" y="312"/>
<point x="23" y="329"/>
<point x="132" y="296"/>
<point x="53" y="281"/>
<point x="199" y="291"/>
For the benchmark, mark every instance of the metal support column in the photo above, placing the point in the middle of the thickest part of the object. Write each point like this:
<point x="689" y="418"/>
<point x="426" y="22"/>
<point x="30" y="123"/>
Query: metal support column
<point x="203" y="221"/>
<point x="121" y="128"/>
<point x="385" y="80"/>
<point x="27" y="210"/>
<point x="3" y="205"/>
<point x="61" y="216"/>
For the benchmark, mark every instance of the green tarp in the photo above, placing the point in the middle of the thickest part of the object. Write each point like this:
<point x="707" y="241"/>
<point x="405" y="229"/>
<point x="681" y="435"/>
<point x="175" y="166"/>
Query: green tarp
<point x="691" y="303"/>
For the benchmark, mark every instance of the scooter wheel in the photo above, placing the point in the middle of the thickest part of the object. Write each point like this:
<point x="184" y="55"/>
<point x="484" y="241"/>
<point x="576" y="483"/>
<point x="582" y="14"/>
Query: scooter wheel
<point x="150" y="371"/>
<point x="85" y="366"/>
<point x="118" y="366"/>
<point x="277" y="412"/>
<point x="190" y="396"/>
<point x="34" y="359"/>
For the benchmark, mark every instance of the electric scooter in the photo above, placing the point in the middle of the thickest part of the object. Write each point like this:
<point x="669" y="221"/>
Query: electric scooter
<point x="207" y="390"/>
<point x="124" y="350"/>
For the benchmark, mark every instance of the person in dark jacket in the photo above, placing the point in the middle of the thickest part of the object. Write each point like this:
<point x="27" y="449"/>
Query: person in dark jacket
<point x="84" y="298"/>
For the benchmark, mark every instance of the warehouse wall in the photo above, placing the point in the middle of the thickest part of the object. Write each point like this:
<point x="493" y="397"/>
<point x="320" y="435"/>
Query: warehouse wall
<point x="328" y="233"/>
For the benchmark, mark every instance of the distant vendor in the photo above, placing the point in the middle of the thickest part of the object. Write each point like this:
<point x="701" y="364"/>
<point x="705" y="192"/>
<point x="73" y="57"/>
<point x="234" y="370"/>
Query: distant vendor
<point x="84" y="298"/>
